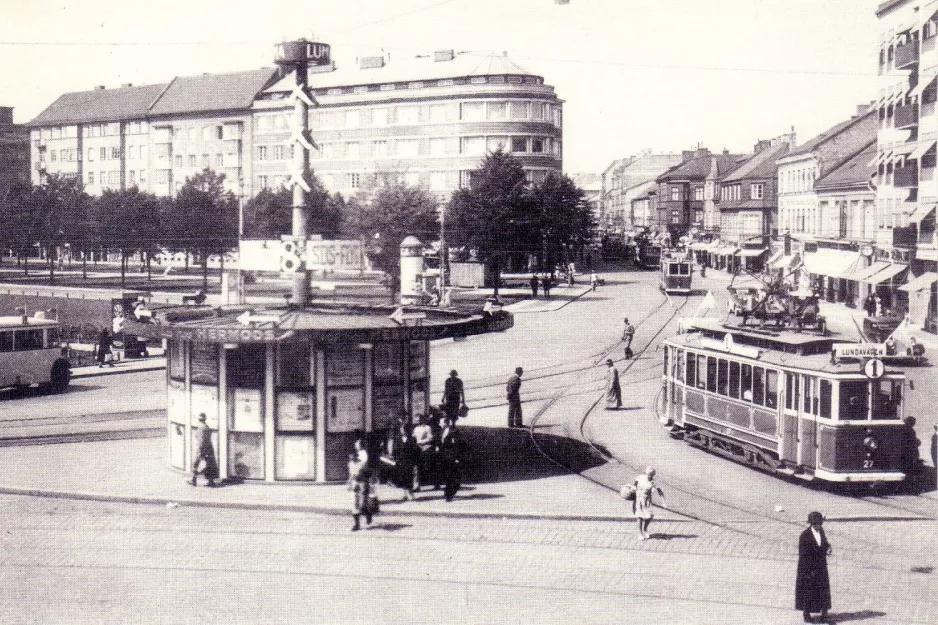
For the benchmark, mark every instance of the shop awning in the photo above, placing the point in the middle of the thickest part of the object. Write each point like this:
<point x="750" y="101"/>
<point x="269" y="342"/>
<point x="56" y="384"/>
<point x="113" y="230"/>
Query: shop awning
<point x="700" y="245"/>
<point x="924" y="82"/>
<point x="726" y="250"/>
<point x="920" y="283"/>
<point x="751" y="252"/>
<point x="921" y="212"/>
<point x="831" y="263"/>
<point x="890" y="272"/>
<point x="921" y="149"/>
<point x="861" y="274"/>
<point x="903" y="148"/>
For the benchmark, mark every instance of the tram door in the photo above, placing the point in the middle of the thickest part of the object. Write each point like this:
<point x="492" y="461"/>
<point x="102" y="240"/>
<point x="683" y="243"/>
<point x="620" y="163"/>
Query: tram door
<point x="807" y="439"/>
<point x="789" y="427"/>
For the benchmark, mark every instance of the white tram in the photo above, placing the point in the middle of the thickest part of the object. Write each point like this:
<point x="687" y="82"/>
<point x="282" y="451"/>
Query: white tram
<point x="779" y="401"/>
<point x="31" y="354"/>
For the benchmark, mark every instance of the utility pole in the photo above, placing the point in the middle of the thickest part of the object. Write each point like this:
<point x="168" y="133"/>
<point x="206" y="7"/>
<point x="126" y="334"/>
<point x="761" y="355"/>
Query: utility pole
<point x="299" y="55"/>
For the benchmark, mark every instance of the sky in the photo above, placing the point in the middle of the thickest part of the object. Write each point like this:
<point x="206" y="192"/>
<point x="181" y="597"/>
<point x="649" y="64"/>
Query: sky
<point x="665" y="75"/>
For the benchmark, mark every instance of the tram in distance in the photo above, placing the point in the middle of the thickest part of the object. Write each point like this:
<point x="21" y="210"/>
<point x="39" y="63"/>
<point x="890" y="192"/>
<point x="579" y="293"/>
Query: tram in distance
<point x="31" y="354"/>
<point x="676" y="274"/>
<point x="779" y="401"/>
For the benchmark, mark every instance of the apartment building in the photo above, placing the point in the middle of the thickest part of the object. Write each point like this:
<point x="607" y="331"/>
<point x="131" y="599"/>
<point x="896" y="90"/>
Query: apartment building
<point x="427" y="120"/>
<point x="625" y="180"/>
<point x="687" y="193"/>
<point x="906" y="184"/>
<point x="14" y="151"/>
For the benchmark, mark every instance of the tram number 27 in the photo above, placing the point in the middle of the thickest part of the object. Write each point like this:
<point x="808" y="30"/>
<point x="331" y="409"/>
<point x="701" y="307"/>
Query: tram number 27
<point x="867" y="464"/>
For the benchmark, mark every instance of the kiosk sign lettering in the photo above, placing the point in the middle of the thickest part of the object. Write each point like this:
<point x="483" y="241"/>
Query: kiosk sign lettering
<point x="859" y="350"/>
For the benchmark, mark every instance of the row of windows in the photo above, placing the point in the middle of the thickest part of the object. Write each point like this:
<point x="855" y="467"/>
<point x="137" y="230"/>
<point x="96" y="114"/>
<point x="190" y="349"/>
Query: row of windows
<point x="104" y="178"/>
<point x="413" y="114"/>
<point x="420" y="84"/>
<point x="23" y="340"/>
<point x="408" y="148"/>
<point x="192" y="160"/>
<point x="794" y="180"/>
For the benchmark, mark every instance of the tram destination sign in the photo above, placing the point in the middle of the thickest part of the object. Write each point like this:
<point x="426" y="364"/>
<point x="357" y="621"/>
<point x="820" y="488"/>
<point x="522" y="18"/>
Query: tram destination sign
<point x="859" y="350"/>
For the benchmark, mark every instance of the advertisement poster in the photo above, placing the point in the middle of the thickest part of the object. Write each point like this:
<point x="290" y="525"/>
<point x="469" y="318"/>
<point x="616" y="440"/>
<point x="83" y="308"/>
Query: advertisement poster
<point x="295" y="411"/>
<point x="388" y="362"/>
<point x="203" y="363"/>
<point x="418" y="359"/>
<point x="205" y="399"/>
<point x="248" y="410"/>
<point x="297" y="457"/>
<point x="346" y="410"/>
<point x="345" y="367"/>
<point x="176" y="401"/>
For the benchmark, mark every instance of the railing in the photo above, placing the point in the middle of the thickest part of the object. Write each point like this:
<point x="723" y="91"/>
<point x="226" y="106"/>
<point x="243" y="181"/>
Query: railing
<point x="906" y="116"/>
<point x="905" y="177"/>
<point x="907" y="54"/>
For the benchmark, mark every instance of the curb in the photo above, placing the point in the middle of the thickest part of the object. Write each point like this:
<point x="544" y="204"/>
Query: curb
<point x="95" y="371"/>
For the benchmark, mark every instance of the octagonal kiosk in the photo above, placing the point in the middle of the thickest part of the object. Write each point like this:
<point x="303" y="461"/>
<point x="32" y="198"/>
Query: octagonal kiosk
<point x="287" y="390"/>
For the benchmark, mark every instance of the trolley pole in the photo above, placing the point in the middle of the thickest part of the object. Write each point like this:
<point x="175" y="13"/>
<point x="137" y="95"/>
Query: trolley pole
<point x="299" y="55"/>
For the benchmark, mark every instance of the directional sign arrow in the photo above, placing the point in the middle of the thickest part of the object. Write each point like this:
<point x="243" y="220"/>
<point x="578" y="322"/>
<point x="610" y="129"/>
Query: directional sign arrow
<point x="301" y="94"/>
<point x="298" y="179"/>
<point x="299" y="138"/>
<point x="248" y="317"/>
<point x="399" y="316"/>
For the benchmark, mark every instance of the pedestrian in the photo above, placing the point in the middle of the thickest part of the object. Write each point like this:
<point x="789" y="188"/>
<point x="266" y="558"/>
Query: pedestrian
<point x="205" y="453"/>
<point x="403" y="454"/>
<point x="628" y="333"/>
<point x="812" y="584"/>
<point x="644" y="488"/>
<point x="534" y="283"/>
<point x="546" y="284"/>
<point x="513" y="393"/>
<point x="451" y="458"/>
<point x="571" y="271"/>
<point x="934" y="448"/>
<point x="613" y="388"/>
<point x="878" y="307"/>
<point x="869" y="305"/>
<point x="454" y="397"/>
<point x="105" y="356"/>
<point x="425" y="439"/>
<point x="359" y="483"/>
<point x="594" y="280"/>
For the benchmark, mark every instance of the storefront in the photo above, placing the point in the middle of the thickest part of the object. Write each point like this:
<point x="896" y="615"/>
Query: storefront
<point x="828" y="269"/>
<point x="921" y="294"/>
<point x="286" y="391"/>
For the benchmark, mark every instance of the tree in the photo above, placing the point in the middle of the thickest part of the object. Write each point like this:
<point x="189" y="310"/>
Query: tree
<point x="205" y="217"/>
<point x="270" y="213"/>
<point x="385" y="212"/>
<point x="130" y="221"/>
<point x="495" y="215"/>
<point x="566" y="222"/>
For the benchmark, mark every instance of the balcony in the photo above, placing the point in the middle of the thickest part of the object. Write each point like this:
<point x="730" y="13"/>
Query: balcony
<point x="907" y="55"/>
<point x="904" y="236"/>
<point x="905" y="177"/>
<point x="906" y="116"/>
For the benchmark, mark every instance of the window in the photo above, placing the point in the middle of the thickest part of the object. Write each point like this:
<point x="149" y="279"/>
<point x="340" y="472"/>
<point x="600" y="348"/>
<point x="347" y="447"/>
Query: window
<point x="219" y="160"/>
<point x="698" y="194"/>
<point x="261" y="153"/>
<point x="52" y="154"/>
<point x="279" y="152"/>
<point x="408" y="114"/>
<point x="206" y="133"/>
<point x="116" y="153"/>
<point x="473" y="146"/>
<point x="498" y="110"/>
<point x="379" y="117"/>
<point x="6" y="341"/>
<point x="27" y="339"/>
<point x="711" y="374"/>
<point x="262" y="182"/>
<point x="771" y="388"/>
<point x="537" y="145"/>
<point x="723" y="383"/>
<point x="143" y="151"/>
<point x="162" y="176"/>
<point x="537" y="110"/>
<point x="132" y="176"/>
<point x="352" y="150"/>
<point x="162" y="150"/>
<point x="756" y="191"/>
<point x="497" y="143"/>
<point x="354" y="180"/>
<point x="519" y="110"/>
<point x="437" y="113"/>
<point x="519" y="144"/>
<point x="826" y="394"/>
<point x="734" y="380"/>
<point x="178" y="160"/>
<point x="90" y="154"/>
<point x="103" y="153"/>
<point x="381" y="147"/>
<point x="691" y="371"/>
<point x="472" y="111"/>
<point x="675" y="194"/>
<point x="113" y="177"/>
<point x="90" y="177"/>
<point x="745" y="382"/>
<point x="408" y="147"/>
<point x="102" y="178"/>
<point x="675" y="217"/>
<point x="854" y="400"/>
<point x="206" y="160"/>
<point x="328" y="150"/>
<point x="191" y="160"/>
<point x="887" y="398"/>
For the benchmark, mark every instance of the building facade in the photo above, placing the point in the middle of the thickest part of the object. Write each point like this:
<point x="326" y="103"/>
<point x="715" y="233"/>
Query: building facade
<point x="624" y="181"/>
<point x="14" y="152"/>
<point x="907" y="187"/>
<point x="428" y="121"/>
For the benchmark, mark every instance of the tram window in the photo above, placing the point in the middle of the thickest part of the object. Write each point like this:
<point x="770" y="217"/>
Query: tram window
<point x="6" y="341"/>
<point x="807" y="383"/>
<point x="825" y="398"/>
<point x="758" y="386"/>
<point x="702" y="372"/>
<point x="723" y="382"/>
<point x="746" y="382"/>
<point x="771" y="388"/>
<point x="52" y="337"/>
<point x="685" y="269"/>
<point x="28" y="339"/>
<point x="711" y="376"/>
<point x="691" y="377"/>
<point x="734" y="380"/>
<point x="790" y="401"/>
<point x="667" y="361"/>
<point x="887" y="396"/>
<point x="853" y="400"/>
<point x="679" y="374"/>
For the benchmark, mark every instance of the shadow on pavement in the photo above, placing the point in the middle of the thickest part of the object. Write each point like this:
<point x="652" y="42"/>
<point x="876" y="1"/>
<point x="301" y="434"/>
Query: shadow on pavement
<point x="507" y="455"/>
<point x="389" y="527"/>
<point x="673" y="536"/>
<point x="862" y="615"/>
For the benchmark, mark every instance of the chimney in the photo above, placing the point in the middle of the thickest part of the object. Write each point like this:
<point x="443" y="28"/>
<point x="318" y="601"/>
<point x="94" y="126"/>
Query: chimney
<point x="443" y="55"/>
<point x="370" y="62"/>
<point x="127" y="84"/>
<point x="686" y="155"/>
<point x="701" y="151"/>
<point x="99" y="87"/>
<point x="760" y="145"/>
<point x="726" y="152"/>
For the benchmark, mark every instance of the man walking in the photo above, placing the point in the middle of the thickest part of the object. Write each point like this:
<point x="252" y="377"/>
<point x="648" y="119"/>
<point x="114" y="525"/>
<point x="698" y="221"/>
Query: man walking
<point x="453" y="395"/>
<point x="613" y="388"/>
<point x="627" y="334"/>
<point x="534" y="285"/>
<point x="513" y="392"/>
<point x="205" y="453"/>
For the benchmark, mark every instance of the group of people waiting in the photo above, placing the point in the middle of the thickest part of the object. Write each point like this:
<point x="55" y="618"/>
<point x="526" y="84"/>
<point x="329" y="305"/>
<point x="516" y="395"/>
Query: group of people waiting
<point x="544" y="283"/>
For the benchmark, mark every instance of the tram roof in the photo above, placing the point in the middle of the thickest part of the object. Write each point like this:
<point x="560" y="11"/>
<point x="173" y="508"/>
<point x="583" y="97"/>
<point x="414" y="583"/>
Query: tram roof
<point x="784" y="348"/>
<point x="16" y="321"/>
<point x="331" y="322"/>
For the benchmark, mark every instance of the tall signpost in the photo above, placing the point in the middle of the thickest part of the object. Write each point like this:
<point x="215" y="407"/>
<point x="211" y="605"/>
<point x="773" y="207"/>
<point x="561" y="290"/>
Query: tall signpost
<point x="298" y="56"/>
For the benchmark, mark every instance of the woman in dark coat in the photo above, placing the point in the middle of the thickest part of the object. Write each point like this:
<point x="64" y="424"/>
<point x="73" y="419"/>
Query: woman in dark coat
<point x="812" y="585"/>
<point x="403" y="451"/>
<point x="451" y="458"/>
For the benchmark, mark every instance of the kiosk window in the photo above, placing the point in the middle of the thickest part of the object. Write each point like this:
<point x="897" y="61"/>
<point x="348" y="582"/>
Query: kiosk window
<point x="734" y="380"/>
<point x="854" y="404"/>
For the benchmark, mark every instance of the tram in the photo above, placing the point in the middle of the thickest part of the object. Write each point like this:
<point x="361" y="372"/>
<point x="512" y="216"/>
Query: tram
<point x="646" y="255"/>
<point x="780" y="401"/>
<point x="676" y="274"/>
<point x="31" y="354"/>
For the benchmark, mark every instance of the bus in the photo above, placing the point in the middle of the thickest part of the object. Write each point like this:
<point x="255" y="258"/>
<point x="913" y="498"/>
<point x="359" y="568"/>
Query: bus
<point x="31" y="353"/>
